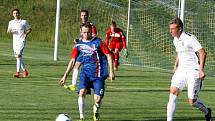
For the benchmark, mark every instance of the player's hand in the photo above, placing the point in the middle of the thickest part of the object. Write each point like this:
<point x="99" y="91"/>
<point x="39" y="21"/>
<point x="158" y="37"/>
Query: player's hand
<point x="112" y="76"/>
<point x="125" y="53"/>
<point x="201" y="75"/>
<point x="62" y="81"/>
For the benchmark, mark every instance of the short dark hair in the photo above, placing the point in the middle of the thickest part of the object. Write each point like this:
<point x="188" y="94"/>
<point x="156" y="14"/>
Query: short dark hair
<point x="178" y="22"/>
<point x="87" y="25"/>
<point x="86" y="11"/>
<point x="113" y="23"/>
<point x="15" y="9"/>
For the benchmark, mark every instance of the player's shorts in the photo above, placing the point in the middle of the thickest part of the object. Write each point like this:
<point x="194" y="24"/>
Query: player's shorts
<point x="18" y="48"/>
<point x="97" y="84"/>
<point x="188" y="79"/>
<point x="116" y="45"/>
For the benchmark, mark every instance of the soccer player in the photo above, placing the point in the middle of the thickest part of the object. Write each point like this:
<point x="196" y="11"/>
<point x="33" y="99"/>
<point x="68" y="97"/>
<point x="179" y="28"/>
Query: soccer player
<point x="188" y="69"/>
<point x="20" y="30"/>
<point x="95" y="59"/>
<point x="84" y="19"/>
<point x="118" y="42"/>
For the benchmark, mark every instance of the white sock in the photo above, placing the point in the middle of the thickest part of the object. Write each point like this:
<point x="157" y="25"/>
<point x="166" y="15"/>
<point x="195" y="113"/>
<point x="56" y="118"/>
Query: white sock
<point x="96" y="107"/>
<point x="171" y="107"/>
<point x="199" y="104"/>
<point x="18" y="64"/>
<point x="81" y="105"/>
<point x="74" y="76"/>
<point x="22" y="64"/>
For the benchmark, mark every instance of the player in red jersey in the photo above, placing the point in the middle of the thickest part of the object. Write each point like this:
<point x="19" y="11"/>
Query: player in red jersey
<point x="118" y="41"/>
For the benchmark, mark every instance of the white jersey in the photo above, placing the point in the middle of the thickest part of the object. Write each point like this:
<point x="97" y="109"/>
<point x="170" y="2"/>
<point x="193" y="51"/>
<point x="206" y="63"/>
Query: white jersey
<point x="187" y="47"/>
<point x="18" y="28"/>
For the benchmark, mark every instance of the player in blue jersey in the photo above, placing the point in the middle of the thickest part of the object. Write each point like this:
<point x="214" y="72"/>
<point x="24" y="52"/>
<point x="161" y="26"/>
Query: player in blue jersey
<point x="95" y="57"/>
<point x="84" y="19"/>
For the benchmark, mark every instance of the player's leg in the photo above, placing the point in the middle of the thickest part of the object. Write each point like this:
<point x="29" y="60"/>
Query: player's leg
<point x="74" y="77"/>
<point x="18" y="64"/>
<point x="25" y="72"/>
<point x="112" y="47"/>
<point x="118" y="48"/>
<point x="75" y="73"/>
<point x="177" y="85"/>
<point x="98" y="95"/>
<point x="116" y="59"/>
<point x="83" y="87"/>
<point x="194" y="86"/>
<point x="171" y="106"/>
<point x="81" y="102"/>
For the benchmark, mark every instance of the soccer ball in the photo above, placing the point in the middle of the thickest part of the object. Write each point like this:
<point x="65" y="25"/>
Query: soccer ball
<point x="63" y="117"/>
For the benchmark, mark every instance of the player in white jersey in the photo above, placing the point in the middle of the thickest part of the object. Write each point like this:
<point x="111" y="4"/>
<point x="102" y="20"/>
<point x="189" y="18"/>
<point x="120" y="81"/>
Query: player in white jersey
<point x="20" y="29"/>
<point x="188" y="69"/>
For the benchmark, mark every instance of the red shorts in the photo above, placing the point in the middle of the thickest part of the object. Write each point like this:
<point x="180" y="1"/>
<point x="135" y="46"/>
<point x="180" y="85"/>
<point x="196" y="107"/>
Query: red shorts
<point x="116" y="45"/>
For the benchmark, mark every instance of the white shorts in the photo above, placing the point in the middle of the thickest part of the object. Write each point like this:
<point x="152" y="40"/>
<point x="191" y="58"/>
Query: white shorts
<point x="18" y="48"/>
<point x="190" y="80"/>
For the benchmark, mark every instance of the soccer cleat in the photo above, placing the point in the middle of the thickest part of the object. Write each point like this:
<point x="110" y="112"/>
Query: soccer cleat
<point x="25" y="73"/>
<point x="69" y="87"/>
<point x="16" y="75"/>
<point x="96" y="117"/>
<point x="208" y="117"/>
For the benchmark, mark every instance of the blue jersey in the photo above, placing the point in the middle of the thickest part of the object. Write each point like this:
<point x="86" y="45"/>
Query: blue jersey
<point x="92" y="56"/>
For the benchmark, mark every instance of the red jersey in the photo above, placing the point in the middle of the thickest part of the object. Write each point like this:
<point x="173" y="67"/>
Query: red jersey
<point x="117" y="36"/>
<point x="93" y="29"/>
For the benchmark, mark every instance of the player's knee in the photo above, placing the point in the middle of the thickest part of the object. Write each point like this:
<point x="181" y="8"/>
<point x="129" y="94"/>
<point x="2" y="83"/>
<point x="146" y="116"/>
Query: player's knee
<point x="192" y="102"/>
<point x="82" y="92"/>
<point x="77" y="65"/>
<point x="174" y="90"/>
<point x="116" y="50"/>
<point x="18" y="55"/>
<point x="97" y="98"/>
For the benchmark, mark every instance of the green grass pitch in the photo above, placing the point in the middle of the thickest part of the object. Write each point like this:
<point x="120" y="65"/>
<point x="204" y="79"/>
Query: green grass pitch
<point x="137" y="94"/>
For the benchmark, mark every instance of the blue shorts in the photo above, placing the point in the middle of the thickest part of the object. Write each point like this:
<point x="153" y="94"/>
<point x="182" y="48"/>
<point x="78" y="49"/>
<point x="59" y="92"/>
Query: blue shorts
<point x="96" y="83"/>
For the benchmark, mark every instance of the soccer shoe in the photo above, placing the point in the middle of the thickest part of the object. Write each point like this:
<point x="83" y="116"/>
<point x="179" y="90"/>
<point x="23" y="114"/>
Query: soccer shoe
<point x="25" y="73"/>
<point x="69" y="87"/>
<point x="16" y="75"/>
<point x="208" y="117"/>
<point x="96" y="117"/>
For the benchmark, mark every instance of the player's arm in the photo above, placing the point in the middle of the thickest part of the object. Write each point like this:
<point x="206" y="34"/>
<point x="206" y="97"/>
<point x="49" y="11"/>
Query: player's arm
<point x="123" y="38"/>
<point x="9" y="29"/>
<point x="202" y="58"/>
<point x="70" y="66"/>
<point x="107" y="38"/>
<point x="176" y="63"/>
<point x="94" y="31"/>
<point x="108" y="53"/>
<point x="27" y="32"/>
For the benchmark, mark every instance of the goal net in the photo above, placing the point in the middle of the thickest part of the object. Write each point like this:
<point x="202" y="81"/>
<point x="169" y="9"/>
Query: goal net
<point x="149" y="41"/>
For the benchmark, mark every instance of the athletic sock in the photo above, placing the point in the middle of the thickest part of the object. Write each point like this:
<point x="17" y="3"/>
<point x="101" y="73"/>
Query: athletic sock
<point x="171" y="107"/>
<point x="199" y="104"/>
<point x="74" y="76"/>
<point x="22" y="64"/>
<point x="116" y="60"/>
<point x="18" y="64"/>
<point x="81" y="105"/>
<point x="96" y="107"/>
